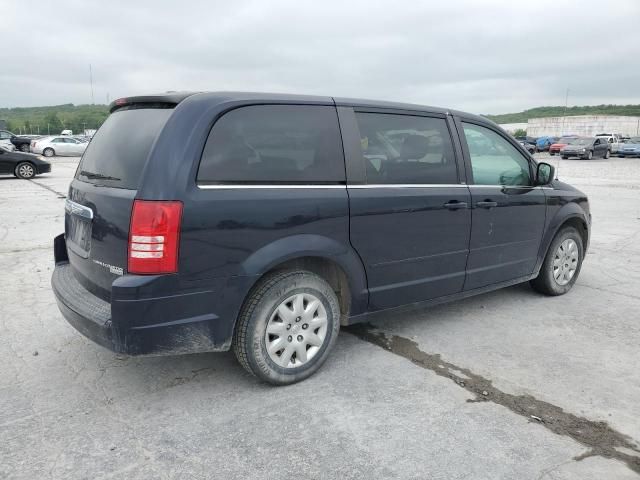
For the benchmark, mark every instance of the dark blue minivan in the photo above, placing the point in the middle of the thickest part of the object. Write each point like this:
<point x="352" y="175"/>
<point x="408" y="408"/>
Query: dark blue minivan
<point x="201" y="222"/>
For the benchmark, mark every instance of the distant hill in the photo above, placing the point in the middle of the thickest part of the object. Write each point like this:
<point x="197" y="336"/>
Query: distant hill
<point x="54" y="119"/>
<point x="78" y="117"/>
<point x="538" y="112"/>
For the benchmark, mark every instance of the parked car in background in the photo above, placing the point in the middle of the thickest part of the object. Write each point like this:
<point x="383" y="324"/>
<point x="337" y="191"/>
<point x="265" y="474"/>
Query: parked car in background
<point x="543" y="143"/>
<point x="560" y="144"/>
<point x="22" y="165"/>
<point x="58" y="145"/>
<point x="613" y="139"/>
<point x="7" y="146"/>
<point x="586" y="148"/>
<point x="631" y="148"/>
<point x="262" y="223"/>
<point x="529" y="147"/>
<point x="21" y="142"/>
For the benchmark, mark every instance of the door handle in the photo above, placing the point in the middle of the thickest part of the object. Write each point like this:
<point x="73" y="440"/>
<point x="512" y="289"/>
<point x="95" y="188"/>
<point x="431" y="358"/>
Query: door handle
<point x="486" y="204"/>
<point x="455" y="205"/>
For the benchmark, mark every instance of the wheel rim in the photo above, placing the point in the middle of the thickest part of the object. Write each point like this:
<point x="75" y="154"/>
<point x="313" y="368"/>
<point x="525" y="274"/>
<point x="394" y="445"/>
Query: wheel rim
<point x="48" y="152"/>
<point x="565" y="262"/>
<point x="296" y="330"/>
<point x="25" y="171"/>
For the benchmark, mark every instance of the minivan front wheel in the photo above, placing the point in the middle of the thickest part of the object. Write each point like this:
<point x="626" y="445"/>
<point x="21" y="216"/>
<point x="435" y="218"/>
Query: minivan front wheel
<point x="562" y="264"/>
<point x="287" y="327"/>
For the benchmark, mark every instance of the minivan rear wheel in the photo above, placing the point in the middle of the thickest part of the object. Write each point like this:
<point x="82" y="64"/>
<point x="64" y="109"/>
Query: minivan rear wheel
<point x="287" y="327"/>
<point x="562" y="264"/>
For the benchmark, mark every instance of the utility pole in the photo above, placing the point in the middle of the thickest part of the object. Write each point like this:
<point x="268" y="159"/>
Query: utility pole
<point x="91" y="82"/>
<point x="564" y="116"/>
<point x="564" y="113"/>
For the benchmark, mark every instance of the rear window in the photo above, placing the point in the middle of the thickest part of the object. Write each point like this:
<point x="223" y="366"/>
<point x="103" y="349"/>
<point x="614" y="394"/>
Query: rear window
<point x="274" y="144"/>
<point x="118" y="151"/>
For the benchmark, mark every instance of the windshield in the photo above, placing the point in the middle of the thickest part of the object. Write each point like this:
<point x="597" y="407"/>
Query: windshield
<point x="634" y="140"/>
<point x="580" y="141"/>
<point x="118" y="152"/>
<point x="566" y="140"/>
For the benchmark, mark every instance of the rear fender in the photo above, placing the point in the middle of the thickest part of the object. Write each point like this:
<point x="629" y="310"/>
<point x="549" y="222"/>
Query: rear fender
<point x="299" y="246"/>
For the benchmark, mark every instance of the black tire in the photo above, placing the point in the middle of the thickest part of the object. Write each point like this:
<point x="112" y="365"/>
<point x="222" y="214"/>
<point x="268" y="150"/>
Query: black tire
<point x="24" y="147"/>
<point x="25" y="170"/>
<point x="607" y="154"/>
<point x="48" y="152"/>
<point x="564" y="157"/>
<point x="590" y="155"/>
<point x="545" y="282"/>
<point x="249" y="339"/>
<point x="551" y="153"/>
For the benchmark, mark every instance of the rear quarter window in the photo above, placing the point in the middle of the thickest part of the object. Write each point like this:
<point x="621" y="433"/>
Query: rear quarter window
<point x="274" y="144"/>
<point x="118" y="152"/>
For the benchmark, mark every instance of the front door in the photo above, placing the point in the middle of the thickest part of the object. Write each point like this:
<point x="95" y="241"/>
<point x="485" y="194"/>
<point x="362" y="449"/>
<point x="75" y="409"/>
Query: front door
<point x="410" y="216"/>
<point x="508" y="212"/>
<point x="600" y="147"/>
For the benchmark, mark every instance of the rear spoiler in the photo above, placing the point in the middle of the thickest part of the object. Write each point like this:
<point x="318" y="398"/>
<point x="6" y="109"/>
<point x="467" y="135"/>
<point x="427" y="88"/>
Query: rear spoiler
<point x="169" y="98"/>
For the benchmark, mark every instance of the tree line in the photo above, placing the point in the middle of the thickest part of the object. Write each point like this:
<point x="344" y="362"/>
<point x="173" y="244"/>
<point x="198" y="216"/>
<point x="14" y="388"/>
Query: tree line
<point x="540" y="112"/>
<point x="54" y="119"/>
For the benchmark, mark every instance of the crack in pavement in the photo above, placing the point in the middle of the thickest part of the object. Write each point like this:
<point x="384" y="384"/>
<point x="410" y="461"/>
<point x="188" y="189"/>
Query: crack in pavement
<point x="599" y="437"/>
<point x="47" y="187"/>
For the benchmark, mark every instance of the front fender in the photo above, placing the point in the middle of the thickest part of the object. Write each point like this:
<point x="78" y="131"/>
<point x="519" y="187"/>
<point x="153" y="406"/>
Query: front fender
<point x="306" y="245"/>
<point x="564" y="213"/>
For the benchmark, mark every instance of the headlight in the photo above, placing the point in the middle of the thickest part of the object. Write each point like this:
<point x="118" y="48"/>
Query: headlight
<point x="583" y="150"/>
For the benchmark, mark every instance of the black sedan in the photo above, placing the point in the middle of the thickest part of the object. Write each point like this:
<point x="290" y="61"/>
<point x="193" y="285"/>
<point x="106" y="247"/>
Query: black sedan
<point x="22" y="165"/>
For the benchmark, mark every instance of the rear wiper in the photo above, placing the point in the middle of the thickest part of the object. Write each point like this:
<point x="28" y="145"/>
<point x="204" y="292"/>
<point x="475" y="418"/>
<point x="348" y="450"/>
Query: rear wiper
<point x="93" y="175"/>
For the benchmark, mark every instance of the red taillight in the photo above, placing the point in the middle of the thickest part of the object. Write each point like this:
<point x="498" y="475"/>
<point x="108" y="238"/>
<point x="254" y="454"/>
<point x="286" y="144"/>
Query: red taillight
<point x="154" y="237"/>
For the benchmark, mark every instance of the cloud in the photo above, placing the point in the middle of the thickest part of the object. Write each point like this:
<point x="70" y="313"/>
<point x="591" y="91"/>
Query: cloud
<point x="484" y="57"/>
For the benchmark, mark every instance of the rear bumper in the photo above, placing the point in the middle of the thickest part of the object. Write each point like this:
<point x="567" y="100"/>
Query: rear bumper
<point x="142" y="319"/>
<point x="87" y="313"/>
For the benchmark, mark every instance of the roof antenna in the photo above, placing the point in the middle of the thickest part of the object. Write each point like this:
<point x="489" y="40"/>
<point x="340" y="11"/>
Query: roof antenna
<point x="564" y="116"/>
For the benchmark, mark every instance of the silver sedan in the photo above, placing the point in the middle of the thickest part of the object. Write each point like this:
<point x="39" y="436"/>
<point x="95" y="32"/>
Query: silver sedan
<point x="58" y="145"/>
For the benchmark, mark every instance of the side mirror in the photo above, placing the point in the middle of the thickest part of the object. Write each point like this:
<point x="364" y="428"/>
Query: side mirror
<point x="545" y="174"/>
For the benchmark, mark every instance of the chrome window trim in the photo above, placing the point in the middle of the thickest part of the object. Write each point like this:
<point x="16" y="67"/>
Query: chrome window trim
<point x="268" y="186"/>
<point x="409" y="185"/>
<point x="512" y="187"/>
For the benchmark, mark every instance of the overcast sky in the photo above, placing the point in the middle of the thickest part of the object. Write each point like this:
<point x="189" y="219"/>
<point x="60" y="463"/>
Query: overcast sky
<point x="479" y="56"/>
